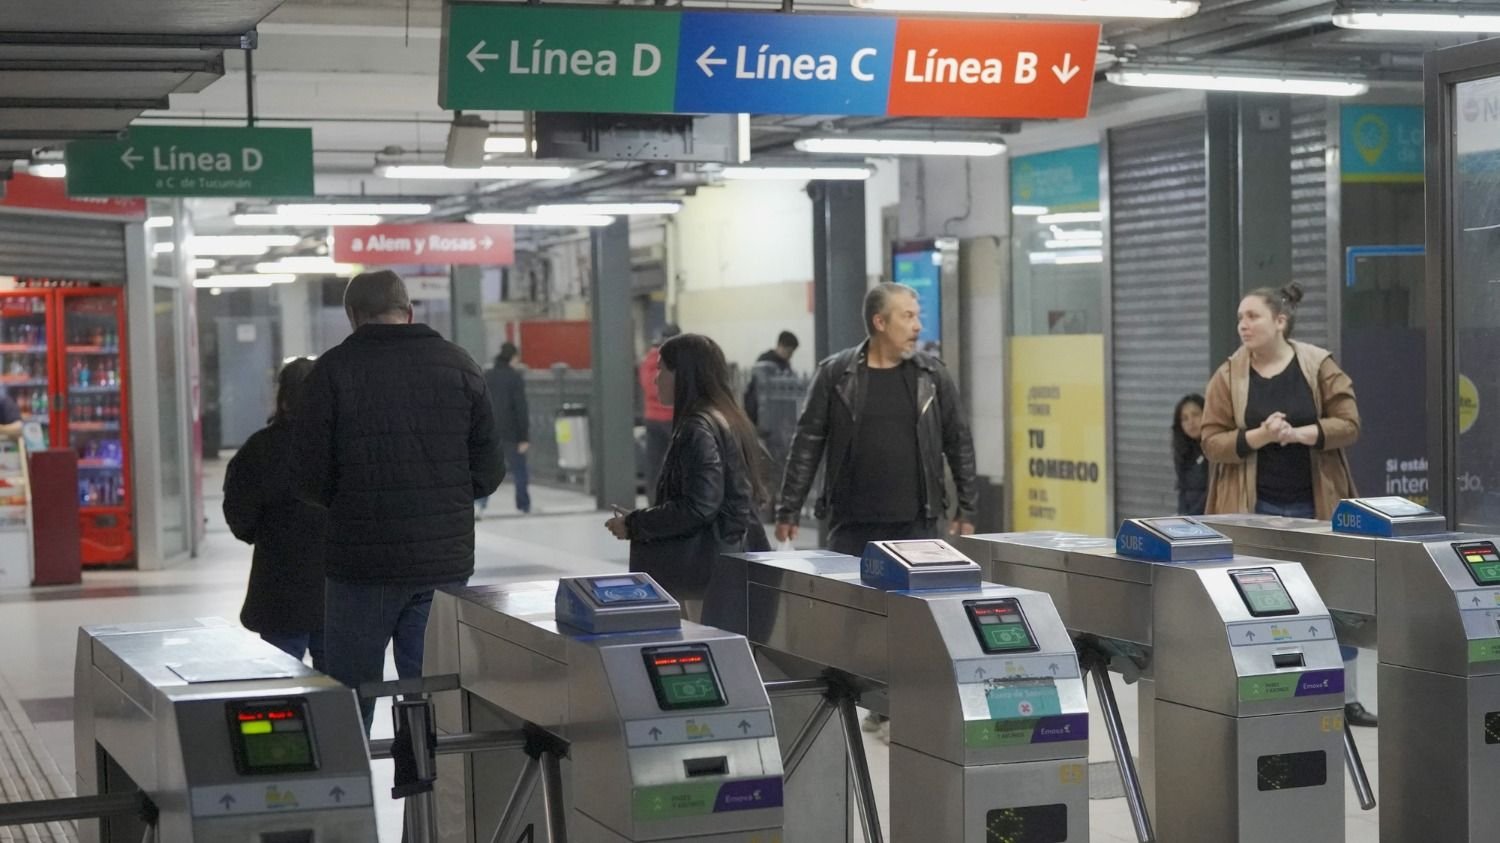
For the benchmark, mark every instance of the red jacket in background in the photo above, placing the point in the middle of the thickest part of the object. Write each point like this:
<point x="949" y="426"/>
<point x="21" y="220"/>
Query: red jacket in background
<point x="654" y="409"/>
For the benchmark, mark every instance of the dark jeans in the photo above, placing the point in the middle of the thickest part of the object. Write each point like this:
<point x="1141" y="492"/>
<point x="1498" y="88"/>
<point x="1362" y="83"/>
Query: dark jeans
<point x="360" y="619"/>
<point x="517" y="472"/>
<point x="850" y="539"/>
<point x="1301" y="509"/>
<point x="658" y="439"/>
<point x="298" y="644"/>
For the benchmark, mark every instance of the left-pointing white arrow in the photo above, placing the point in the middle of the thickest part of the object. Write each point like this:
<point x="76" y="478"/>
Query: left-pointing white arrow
<point x="707" y="62"/>
<point x="476" y="57"/>
<point x="130" y="159"/>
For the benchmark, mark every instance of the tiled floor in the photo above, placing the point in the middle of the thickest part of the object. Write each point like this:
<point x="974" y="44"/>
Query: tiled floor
<point x="564" y="537"/>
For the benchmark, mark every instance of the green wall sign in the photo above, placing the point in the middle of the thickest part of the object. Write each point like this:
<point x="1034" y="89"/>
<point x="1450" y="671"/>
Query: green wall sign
<point x="194" y="161"/>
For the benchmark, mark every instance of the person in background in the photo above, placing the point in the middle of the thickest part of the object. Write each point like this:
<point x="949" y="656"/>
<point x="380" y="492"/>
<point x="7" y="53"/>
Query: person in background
<point x="284" y="600"/>
<point x="658" y="416"/>
<point x="1278" y="417"/>
<point x="1187" y="456"/>
<point x="512" y="424"/>
<point x="772" y="363"/>
<point x="710" y="479"/>
<point x="395" y="437"/>
<point x="10" y="416"/>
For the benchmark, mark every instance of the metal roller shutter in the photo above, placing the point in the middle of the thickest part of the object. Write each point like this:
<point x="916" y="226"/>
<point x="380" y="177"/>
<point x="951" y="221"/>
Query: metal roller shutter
<point x="1310" y="217"/>
<point x="1159" y="295"/>
<point x="62" y="247"/>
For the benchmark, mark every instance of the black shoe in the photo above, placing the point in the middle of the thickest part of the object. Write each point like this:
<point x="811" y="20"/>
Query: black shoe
<point x="1355" y="714"/>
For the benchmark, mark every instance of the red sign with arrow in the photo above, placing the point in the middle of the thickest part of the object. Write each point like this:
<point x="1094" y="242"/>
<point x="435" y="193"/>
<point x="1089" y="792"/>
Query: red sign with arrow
<point x="969" y="68"/>
<point x="452" y="244"/>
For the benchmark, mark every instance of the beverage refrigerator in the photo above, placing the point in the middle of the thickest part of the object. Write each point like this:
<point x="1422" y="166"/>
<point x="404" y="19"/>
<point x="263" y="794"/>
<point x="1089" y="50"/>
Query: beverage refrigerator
<point x="63" y="361"/>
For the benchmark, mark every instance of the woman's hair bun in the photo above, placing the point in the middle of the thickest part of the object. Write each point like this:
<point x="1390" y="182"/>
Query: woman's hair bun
<point x="1292" y="294"/>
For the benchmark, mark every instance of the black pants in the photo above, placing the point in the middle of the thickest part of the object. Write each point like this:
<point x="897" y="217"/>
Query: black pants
<point x="658" y="439"/>
<point x="850" y="539"/>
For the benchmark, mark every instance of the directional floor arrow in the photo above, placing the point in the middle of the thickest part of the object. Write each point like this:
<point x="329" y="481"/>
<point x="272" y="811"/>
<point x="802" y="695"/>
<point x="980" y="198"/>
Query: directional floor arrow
<point x="477" y="57"/>
<point x="130" y="159"/>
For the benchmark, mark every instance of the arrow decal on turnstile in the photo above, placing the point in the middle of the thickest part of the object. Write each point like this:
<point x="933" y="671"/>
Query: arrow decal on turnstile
<point x="228" y="801"/>
<point x="979" y="673"/>
<point x="655" y="733"/>
<point x="1313" y="630"/>
<point x="529" y="835"/>
<point x="1053" y="667"/>
<point x="745" y="727"/>
<point x="337" y="793"/>
<point x="1249" y="635"/>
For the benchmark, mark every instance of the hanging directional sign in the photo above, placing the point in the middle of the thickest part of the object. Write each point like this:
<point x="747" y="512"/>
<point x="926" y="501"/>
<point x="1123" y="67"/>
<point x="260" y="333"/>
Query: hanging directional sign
<point x="193" y="161"/>
<point x="510" y="56"/>
<point x="451" y="244"/>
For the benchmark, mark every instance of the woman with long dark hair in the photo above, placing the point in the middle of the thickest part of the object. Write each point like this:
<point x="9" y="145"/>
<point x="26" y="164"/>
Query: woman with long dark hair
<point x="284" y="600"/>
<point x="711" y="478"/>
<point x="1187" y="455"/>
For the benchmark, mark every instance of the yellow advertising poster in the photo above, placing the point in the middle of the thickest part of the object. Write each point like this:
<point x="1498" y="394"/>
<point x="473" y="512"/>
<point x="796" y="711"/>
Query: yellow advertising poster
<point x="1058" y="464"/>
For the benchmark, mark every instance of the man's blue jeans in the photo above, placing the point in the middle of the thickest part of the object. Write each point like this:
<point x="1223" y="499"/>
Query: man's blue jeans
<point x="360" y="619"/>
<point x="299" y="644"/>
<point x="517" y="472"/>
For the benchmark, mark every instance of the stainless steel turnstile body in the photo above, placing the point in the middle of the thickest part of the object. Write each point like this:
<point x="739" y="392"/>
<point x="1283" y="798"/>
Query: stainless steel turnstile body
<point x="984" y="745"/>
<point x="231" y="739"/>
<point x="1241" y="726"/>
<point x="1439" y="651"/>
<point x="637" y="768"/>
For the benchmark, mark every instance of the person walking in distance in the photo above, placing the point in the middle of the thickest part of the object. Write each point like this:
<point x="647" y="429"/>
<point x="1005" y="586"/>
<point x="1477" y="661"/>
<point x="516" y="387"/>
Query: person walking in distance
<point x="396" y="439"/>
<point x="658" y="416"/>
<point x="1277" y="419"/>
<point x="512" y="424"/>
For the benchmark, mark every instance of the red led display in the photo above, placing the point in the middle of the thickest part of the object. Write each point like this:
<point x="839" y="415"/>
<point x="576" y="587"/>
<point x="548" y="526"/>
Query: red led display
<point x="982" y="610"/>
<point x="664" y="661"/>
<point x="269" y="714"/>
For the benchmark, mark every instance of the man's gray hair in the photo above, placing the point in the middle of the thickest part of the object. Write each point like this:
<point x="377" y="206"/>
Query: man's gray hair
<point x="371" y="295"/>
<point x="878" y="301"/>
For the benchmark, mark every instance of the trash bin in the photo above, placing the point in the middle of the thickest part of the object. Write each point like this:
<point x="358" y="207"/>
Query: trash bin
<point x="572" y="432"/>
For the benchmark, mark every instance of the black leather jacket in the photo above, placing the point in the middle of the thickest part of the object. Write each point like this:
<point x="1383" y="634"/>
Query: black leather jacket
<point x="829" y="421"/>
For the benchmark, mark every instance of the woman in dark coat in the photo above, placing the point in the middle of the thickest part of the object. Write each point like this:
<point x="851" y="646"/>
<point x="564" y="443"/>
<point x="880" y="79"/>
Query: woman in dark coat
<point x="284" y="601"/>
<point x="711" y="477"/>
<point x="1187" y="456"/>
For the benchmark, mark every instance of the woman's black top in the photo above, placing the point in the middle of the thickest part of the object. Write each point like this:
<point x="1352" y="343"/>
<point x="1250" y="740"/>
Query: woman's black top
<point x="1283" y="473"/>
<point x="1192" y="478"/>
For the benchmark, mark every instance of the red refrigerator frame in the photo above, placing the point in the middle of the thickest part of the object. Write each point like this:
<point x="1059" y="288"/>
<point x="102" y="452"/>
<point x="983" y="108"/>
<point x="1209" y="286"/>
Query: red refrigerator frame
<point x="107" y="529"/>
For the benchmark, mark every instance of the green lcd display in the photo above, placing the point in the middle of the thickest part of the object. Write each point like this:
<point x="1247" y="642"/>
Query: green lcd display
<point x="1263" y="593"/>
<point x="1000" y="625"/>
<point x="683" y="677"/>
<point x="1482" y="560"/>
<point x="1030" y="824"/>
<point x="271" y="736"/>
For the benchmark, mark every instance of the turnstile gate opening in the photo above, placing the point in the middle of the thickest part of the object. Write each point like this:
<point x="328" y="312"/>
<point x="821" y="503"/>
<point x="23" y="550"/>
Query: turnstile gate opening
<point x="1241" y="685"/>
<point x="1432" y="600"/>
<point x="989" y="722"/>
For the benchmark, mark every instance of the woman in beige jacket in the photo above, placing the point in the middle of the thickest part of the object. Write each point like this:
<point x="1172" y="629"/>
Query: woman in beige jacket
<point x="1277" y="419"/>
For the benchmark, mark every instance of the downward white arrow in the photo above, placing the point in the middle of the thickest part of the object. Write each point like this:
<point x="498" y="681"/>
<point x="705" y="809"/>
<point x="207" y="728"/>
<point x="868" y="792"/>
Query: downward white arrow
<point x="130" y="159"/>
<point x="706" y="62"/>
<point x="1066" y="73"/>
<point x="475" y="57"/>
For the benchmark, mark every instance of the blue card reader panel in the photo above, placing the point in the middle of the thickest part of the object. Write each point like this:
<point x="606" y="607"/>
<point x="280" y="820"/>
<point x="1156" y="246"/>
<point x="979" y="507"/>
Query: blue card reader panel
<point x="623" y="591"/>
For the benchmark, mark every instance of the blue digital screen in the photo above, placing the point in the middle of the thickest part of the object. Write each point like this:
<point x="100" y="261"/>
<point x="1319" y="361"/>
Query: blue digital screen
<point x="922" y="270"/>
<point x="623" y="590"/>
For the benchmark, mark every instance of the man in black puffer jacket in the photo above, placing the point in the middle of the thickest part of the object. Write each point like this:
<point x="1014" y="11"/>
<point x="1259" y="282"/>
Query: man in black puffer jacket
<point x="396" y="439"/>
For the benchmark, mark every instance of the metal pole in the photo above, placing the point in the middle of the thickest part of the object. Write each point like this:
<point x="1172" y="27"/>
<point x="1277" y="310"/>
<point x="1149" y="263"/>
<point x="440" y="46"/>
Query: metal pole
<point x="864" y="790"/>
<point x="421" y="816"/>
<point x="515" y="807"/>
<point x="552" y="798"/>
<point x="73" y="808"/>
<point x="1357" y="771"/>
<point x="249" y="87"/>
<point x="806" y="737"/>
<point x="1123" y="759"/>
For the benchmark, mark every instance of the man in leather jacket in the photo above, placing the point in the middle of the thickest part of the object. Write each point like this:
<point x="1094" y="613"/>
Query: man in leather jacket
<point x="885" y="416"/>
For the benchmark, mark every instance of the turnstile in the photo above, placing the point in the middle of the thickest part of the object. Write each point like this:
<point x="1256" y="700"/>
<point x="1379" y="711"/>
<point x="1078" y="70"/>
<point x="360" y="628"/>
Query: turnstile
<point x="665" y="724"/>
<point x="989" y="722"/>
<point x="229" y="738"/>
<point x="1436" y="596"/>
<point x="1241" y="686"/>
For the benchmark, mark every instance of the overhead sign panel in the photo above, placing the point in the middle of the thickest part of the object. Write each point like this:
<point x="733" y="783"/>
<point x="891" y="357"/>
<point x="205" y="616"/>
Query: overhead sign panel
<point x="509" y="56"/>
<point x="193" y="161"/>
<point x="451" y="244"/>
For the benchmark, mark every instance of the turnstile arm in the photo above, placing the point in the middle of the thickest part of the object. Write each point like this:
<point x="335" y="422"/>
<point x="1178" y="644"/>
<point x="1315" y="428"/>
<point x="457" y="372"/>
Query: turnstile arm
<point x="544" y="753"/>
<point x="807" y="736"/>
<point x="1357" y="773"/>
<point x="79" y="808"/>
<point x="1098" y="667"/>
<point x="864" y="789"/>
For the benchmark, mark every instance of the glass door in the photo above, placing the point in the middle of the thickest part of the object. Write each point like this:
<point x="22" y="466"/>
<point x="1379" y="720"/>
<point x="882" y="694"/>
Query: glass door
<point x="25" y="367"/>
<point x="97" y="422"/>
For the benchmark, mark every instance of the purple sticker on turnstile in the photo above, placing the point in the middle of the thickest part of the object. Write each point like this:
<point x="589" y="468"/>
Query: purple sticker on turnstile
<point x="1315" y="682"/>
<point x="1067" y="727"/>
<point x="749" y="794"/>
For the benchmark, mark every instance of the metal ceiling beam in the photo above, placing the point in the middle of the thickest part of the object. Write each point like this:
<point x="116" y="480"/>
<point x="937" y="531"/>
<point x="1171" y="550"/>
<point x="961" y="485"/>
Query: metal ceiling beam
<point x="194" y="41"/>
<point x="91" y="103"/>
<point x="214" y="66"/>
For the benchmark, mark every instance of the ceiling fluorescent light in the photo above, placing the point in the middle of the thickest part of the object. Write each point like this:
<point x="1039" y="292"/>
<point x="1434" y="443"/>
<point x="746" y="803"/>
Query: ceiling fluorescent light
<point x="300" y="220"/>
<point x="1076" y="216"/>
<point x="158" y="222"/>
<point x="1419" y="17"/>
<point x="508" y="173"/>
<point x="541" y="220"/>
<point x="499" y="145"/>
<point x="385" y="209"/>
<point x="163" y="248"/>
<point x="621" y="209"/>
<point x="1028" y="210"/>
<point x="204" y="263"/>
<point x="897" y="146"/>
<point x="239" y="244"/>
<point x="306" y="265"/>
<point x="1053" y="8"/>
<point x="1140" y="76"/>
<point x="797" y="173"/>
<point x="48" y="171"/>
<point x="226" y="281"/>
<point x="1074" y="244"/>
